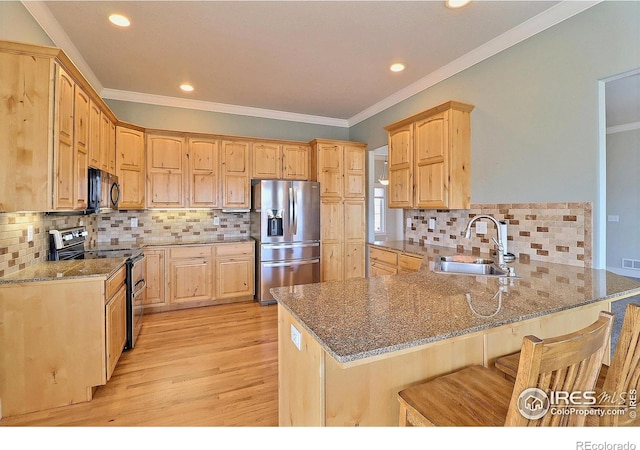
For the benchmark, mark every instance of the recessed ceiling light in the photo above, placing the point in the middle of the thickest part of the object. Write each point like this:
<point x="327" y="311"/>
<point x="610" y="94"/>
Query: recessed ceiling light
<point x="186" y="87"/>
<point x="397" y="67"/>
<point x="119" y="20"/>
<point x="453" y="4"/>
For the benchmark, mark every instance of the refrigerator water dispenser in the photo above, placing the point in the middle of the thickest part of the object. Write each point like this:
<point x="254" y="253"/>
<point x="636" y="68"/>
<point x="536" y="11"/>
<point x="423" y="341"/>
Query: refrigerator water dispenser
<point x="274" y="220"/>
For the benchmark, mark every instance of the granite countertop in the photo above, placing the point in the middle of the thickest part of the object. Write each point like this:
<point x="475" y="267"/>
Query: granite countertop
<point x="58" y="270"/>
<point x="361" y="318"/>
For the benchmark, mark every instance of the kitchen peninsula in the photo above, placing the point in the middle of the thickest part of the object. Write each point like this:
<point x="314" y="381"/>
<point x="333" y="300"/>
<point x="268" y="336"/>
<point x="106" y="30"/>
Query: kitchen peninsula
<point x="363" y="340"/>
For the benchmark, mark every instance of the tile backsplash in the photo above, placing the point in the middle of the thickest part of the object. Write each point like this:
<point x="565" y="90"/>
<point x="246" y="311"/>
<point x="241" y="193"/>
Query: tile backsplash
<point x="16" y="252"/>
<point x="170" y="225"/>
<point x="551" y="232"/>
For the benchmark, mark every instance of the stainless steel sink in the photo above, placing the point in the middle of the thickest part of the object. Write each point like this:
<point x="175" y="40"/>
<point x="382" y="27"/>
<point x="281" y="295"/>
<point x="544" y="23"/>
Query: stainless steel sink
<point x="448" y="264"/>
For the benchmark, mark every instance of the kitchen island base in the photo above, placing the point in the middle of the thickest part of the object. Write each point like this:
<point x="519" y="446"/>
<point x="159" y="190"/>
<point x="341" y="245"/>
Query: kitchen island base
<point x="317" y="390"/>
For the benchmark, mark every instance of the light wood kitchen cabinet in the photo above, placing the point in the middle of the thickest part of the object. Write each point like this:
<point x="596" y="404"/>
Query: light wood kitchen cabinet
<point x="107" y="144"/>
<point x="199" y="275"/>
<point x="63" y="152"/>
<point x="295" y="162"/>
<point x="81" y="117"/>
<point x="280" y="161"/>
<point x="385" y="261"/>
<point x="166" y="171"/>
<point x="236" y="182"/>
<point x="267" y="161"/>
<point x="401" y="167"/>
<point x="340" y="167"/>
<point x="430" y="157"/>
<point x="71" y="331"/>
<point x="203" y="156"/>
<point x="115" y="319"/>
<point x="130" y="167"/>
<point x="95" y="126"/>
<point x="235" y="270"/>
<point x="191" y="273"/>
<point x="155" y="295"/>
<point x="48" y="141"/>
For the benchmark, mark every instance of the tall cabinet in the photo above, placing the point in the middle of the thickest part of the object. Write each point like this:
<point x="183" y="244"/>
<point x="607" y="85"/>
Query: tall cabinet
<point x="340" y="167"/>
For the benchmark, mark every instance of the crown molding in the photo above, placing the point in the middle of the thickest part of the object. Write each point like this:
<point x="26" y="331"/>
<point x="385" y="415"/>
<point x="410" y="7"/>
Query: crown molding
<point x="176" y="102"/>
<point x="625" y="127"/>
<point x="42" y="14"/>
<point x="525" y="30"/>
<point x="554" y="15"/>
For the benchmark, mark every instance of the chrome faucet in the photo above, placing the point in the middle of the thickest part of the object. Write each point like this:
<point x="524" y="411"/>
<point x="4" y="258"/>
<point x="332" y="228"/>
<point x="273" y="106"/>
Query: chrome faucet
<point x="498" y="242"/>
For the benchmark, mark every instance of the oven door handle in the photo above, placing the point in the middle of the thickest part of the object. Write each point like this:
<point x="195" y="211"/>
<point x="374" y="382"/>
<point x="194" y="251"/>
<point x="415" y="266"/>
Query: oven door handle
<point x="136" y="290"/>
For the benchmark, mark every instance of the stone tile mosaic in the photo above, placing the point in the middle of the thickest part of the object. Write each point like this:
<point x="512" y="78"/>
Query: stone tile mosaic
<point x="552" y="232"/>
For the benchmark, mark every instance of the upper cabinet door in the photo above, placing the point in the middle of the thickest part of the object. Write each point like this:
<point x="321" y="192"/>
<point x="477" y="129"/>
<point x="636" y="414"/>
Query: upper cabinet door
<point x="400" y="167"/>
<point x="130" y="167"/>
<point x="204" y="181"/>
<point x="354" y="171"/>
<point x="267" y="161"/>
<point x="295" y="162"/>
<point x="94" y="135"/>
<point x="81" y="110"/>
<point x="64" y="170"/>
<point x="432" y="164"/>
<point x="165" y="171"/>
<point x="236" y="183"/>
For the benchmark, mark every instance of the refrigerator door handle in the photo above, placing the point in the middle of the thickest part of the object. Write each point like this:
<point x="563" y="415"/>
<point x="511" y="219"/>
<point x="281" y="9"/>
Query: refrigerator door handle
<point x="285" y="246"/>
<point x="295" y="211"/>
<point x="292" y="263"/>
<point x="291" y="211"/>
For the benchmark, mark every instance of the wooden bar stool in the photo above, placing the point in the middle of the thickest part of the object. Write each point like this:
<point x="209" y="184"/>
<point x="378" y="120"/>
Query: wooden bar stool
<point x="478" y="396"/>
<point x="622" y="376"/>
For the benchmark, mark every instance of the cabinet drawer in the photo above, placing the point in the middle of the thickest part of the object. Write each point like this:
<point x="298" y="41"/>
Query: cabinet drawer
<point x="115" y="282"/>
<point x="377" y="268"/>
<point x="409" y="263"/>
<point x="235" y="249"/>
<point x="384" y="256"/>
<point x="188" y="251"/>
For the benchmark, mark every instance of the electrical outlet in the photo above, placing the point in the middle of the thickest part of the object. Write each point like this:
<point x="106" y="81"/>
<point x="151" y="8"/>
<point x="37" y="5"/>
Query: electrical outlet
<point x="30" y="233"/>
<point x="408" y="222"/>
<point x="481" y="227"/>
<point x="432" y="223"/>
<point x="296" y="337"/>
<point x="134" y="222"/>
<point x="614" y="218"/>
<point x="216" y="220"/>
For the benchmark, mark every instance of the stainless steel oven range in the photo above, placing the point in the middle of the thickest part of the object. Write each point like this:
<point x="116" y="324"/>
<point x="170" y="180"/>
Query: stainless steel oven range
<point x="69" y="244"/>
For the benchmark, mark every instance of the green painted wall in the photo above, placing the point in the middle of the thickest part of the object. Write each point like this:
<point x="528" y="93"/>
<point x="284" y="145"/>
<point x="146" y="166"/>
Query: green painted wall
<point x="17" y="24"/>
<point x="171" y="118"/>
<point x="535" y="122"/>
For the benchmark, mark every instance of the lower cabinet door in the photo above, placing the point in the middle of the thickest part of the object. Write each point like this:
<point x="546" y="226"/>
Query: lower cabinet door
<point x="235" y="277"/>
<point x="116" y="328"/>
<point x="191" y="280"/>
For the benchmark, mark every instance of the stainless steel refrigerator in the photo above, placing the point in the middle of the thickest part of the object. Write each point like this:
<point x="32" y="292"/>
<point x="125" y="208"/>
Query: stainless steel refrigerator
<point x="285" y="222"/>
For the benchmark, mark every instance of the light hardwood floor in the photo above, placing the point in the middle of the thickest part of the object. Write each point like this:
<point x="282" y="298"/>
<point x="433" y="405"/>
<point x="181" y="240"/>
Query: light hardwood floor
<point x="211" y="366"/>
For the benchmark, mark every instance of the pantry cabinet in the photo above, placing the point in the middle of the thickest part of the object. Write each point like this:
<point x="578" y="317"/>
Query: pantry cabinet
<point x="130" y="167"/>
<point x="340" y="167"/>
<point x="430" y="158"/>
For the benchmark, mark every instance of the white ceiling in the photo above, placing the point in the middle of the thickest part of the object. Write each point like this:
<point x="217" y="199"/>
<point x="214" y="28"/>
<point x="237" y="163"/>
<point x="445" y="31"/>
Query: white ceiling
<point x="312" y="61"/>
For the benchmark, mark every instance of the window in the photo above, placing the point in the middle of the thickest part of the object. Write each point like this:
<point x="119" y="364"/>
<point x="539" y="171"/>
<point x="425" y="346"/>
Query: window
<point x="379" y="208"/>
